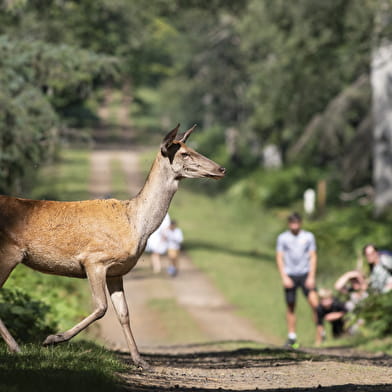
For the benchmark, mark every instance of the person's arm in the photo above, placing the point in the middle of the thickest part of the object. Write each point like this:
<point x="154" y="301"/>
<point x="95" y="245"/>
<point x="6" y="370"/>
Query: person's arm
<point x="286" y="280"/>
<point x="342" y="281"/>
<point x="179" y="236"/>
<point x="333" y="316"/>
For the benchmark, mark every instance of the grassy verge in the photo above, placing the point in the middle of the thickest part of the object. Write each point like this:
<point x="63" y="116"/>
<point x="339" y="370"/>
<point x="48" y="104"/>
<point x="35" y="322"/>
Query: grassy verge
<point x="66" y="180"/>
<point x="119" y="182"/>
<point x="178" y="324"/>
<point x="70" y="367"/>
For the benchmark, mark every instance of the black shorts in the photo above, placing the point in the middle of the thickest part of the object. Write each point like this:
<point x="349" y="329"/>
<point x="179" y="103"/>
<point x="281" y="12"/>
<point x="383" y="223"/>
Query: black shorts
<point x="299" y="281"/>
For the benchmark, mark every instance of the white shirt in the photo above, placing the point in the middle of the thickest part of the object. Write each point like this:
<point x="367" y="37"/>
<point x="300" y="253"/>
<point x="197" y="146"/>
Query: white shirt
<point x="157" y="242"/>
<point x="174" y="238"/>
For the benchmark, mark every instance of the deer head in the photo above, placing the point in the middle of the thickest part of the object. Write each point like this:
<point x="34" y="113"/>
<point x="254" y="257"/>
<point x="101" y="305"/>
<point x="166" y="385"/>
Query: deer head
<point x="186" y="162"/>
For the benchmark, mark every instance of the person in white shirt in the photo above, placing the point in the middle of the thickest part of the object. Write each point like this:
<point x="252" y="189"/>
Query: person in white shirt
<point x="157" y="244"/>
<point x="174" y="238"/>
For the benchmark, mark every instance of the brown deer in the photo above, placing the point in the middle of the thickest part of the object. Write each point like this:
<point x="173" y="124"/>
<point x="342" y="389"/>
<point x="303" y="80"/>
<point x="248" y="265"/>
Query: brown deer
<point x="100" y="240"/>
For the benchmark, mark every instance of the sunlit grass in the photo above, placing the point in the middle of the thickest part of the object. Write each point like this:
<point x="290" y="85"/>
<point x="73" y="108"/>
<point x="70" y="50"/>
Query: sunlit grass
<point x="65" y="180"/>
<point x="119" y="188"/>
<point x="178" y="325"/>
<point x="81" y="366"/>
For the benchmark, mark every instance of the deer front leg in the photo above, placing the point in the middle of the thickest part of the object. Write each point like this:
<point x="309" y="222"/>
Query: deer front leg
<point x="116" y="290"/>
<point x="96" y="275"/>
<point x="10" y="258"/>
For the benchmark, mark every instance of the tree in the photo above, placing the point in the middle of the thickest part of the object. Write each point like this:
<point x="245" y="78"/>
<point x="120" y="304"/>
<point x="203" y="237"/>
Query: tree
<point x="381" y="74"/>
<point x="36" y="79"/>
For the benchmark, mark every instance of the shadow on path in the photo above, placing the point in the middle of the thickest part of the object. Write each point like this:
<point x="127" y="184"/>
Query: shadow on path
<point x="205" y="367"/>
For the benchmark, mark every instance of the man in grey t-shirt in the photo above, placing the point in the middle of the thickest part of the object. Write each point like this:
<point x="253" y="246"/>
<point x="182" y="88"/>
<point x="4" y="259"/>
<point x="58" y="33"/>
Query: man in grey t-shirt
<point x="296" y="258"/>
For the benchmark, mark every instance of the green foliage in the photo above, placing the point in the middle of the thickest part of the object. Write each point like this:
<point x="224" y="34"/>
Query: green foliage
<point x="296" y="44"/>
<point x="67" y="299"/>
<point x="341" y="234"/>
<point x="275" y="188"/>
<point x="376" y="312"/>
<point x="27" y="319"/>
<point x="210" y="84"/>
<point x="38" y="80"/>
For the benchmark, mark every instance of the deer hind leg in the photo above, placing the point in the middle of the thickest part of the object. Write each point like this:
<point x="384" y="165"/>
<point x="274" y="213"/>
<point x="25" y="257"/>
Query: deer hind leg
<point x="96" y="275"/>
<point x="9" y="260"/>
<point x="116" y="290"/>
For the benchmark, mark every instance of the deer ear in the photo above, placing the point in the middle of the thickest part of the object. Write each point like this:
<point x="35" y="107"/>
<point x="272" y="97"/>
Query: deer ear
<point x="185" y="136"/>
<point x="168" y="140"/>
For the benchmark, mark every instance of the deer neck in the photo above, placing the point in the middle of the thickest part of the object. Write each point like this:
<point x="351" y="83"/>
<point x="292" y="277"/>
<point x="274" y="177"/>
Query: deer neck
<point x="153" y="201"/>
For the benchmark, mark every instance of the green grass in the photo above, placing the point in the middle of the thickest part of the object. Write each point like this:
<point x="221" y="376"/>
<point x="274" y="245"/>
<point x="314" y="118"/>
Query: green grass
<point x="119" y="182"/>
<point x="81" y="366"/>
<point x="179" y="327"/>
<point x="66" y="180"/>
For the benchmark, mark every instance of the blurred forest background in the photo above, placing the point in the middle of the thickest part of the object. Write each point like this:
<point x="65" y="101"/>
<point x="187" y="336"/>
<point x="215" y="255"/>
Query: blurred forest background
<point x="270" y="84"/>
<point x="286" y="95"/>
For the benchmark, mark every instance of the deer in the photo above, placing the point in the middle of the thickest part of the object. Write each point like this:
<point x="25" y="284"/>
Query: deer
<point x="100" y="240"/>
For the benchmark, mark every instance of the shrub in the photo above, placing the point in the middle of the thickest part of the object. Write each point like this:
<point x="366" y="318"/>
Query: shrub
<point x="26" y="318"/>
<point x="376" y="312"/>
<point x="275" y="188"/>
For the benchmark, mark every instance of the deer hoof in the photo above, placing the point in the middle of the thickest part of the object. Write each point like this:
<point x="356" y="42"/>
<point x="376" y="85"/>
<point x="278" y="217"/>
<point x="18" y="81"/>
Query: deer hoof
<point x="14" y="349"/>
<point x="142" y="364"/>
<point x="53" y="339"/>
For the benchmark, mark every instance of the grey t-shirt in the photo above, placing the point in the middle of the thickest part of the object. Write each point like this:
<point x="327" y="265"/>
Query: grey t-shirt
<point x="296" y="250"/>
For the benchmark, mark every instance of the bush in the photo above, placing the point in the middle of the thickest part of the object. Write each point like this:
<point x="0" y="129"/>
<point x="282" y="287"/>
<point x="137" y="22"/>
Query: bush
<point x="342" y="232"/>
<point x="376" y="312"/>
<point x="26" y="318"/>
<point x="276" y="188"/>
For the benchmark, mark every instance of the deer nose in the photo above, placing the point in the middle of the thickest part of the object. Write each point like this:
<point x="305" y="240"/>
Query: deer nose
<point x="222" y="170"/>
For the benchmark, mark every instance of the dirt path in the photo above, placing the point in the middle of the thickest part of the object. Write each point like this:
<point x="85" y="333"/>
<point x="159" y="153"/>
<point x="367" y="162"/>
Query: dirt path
<point x="214" y="368"/>
<point x="180" y="364"/>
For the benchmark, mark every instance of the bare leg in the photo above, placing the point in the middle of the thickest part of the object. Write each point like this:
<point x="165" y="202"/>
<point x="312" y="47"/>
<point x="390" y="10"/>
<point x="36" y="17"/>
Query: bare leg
<point x="313" y="302"/>
<point x="96" y="276"/>
<point x="116" y="290"/>
<point x="156" y="262"/>
<point x="290" y="317"/>
<point x="6" y="268"/>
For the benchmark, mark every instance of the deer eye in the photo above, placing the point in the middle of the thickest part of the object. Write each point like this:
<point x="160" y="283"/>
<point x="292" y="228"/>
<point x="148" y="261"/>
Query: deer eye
<point x="185" y="155"/>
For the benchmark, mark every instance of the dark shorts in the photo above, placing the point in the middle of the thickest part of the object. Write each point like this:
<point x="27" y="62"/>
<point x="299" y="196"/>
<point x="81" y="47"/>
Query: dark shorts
<point x="299" y="281"/>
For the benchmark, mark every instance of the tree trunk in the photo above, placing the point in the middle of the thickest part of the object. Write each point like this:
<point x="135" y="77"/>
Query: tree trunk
<point x="381" y="81"/>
